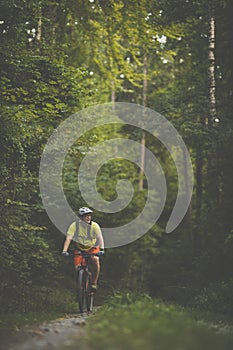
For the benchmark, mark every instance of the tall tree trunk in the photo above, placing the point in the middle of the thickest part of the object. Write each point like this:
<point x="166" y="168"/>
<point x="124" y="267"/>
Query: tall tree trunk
<point x="226" y="62"/>
<point x="143" y="139"/>
<point x="143" y="142"/>
<point x="212" y="70"/>
<point x="199" y="199"/>
<point x="113" y="92"/>
<point x="39" y="26"/>
<point x="213" y="162"/>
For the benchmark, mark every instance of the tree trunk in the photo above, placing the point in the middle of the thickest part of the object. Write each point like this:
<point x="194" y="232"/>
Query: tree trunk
<point x="212" y="185"/>
<point x="143" y="142"/>
<point x="39" y="26"/>
<point x="196" y="238"/>
<point x="113" y="92"/>
<point x="143" y="139"/>
<point x="212" y="71"/>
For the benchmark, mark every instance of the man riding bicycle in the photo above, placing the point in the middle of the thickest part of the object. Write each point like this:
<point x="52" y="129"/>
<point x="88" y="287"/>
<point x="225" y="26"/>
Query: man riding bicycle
<point x="88" y="238"/>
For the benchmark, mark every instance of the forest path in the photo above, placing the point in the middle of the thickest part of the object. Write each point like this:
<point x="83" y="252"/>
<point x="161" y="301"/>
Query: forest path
<point x="69" y="333"/>
<point x="63" y="333"/>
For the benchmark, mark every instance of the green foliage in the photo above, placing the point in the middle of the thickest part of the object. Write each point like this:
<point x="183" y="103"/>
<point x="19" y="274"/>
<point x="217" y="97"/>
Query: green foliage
<point x="38" y="90"/>
<point x="37" y="304"/>
<point x="150" y="324"/>
<point x="59" y="57"/>
<point x="216" y="296"/>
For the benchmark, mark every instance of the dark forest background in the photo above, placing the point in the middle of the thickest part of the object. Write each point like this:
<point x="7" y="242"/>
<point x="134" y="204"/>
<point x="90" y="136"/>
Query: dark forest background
<point x="175" y="57"/>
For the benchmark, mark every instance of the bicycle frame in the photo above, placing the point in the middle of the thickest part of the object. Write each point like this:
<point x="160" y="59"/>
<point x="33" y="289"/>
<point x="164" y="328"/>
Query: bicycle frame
<point x="83" y="278"/>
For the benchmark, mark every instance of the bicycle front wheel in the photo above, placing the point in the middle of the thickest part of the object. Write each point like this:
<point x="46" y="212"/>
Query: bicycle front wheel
<point x="81" y="290"/>
<point x="89" y="295"/>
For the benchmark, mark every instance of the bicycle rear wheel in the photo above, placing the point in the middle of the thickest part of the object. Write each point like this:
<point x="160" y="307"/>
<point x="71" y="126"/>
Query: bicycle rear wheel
<point x="81" y="290"/>
<point x="89" y="295"/>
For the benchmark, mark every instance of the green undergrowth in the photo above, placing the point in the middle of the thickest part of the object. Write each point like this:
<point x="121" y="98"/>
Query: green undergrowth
<point x="210" y="316"/>
<point x="16" y="320"/>
<point x="38" y="306"/>
<point x="132" y="322"/>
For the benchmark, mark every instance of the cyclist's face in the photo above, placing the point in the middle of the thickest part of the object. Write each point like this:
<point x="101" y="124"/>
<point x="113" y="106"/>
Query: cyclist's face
<point x="86" y="218"/>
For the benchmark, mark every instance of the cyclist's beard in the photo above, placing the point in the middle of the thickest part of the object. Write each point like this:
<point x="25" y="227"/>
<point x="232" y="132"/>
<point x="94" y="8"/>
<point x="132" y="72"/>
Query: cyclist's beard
<point x="85" y="223"/>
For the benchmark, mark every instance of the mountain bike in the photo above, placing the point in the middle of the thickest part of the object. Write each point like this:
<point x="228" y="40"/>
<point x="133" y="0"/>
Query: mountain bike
<point x="83" y="279"/>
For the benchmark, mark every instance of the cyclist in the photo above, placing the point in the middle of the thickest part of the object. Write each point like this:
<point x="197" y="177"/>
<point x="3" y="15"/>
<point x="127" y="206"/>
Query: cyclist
<point x="88" y="238"/>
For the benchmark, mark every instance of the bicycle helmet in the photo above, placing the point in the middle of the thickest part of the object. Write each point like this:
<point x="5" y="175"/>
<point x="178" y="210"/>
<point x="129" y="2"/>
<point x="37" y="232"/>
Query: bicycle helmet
<point x="84" y="210"/>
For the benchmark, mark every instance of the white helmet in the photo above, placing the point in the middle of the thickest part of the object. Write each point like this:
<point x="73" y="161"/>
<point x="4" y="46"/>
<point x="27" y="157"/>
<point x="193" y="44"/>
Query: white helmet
<point x="84" y="210"/>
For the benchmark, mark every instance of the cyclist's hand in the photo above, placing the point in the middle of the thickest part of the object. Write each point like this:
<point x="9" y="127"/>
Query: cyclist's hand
<point x="65" y="253"/>
<point x="101" y="252"/>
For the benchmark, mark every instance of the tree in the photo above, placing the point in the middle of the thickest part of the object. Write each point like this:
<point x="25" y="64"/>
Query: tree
<point x="37" y="92"/>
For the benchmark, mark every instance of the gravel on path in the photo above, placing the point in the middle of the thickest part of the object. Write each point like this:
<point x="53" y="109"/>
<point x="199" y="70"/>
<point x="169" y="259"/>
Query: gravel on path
<point x="64" y="333"/>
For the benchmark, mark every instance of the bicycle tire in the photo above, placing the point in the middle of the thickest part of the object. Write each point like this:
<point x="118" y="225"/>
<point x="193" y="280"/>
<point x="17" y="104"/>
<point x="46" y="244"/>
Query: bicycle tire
<point x="89" y="295"/>
<point x="81" y="290"/>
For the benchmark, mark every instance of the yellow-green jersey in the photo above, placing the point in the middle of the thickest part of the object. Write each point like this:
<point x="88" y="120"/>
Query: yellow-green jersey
<point x="85" y="236"/>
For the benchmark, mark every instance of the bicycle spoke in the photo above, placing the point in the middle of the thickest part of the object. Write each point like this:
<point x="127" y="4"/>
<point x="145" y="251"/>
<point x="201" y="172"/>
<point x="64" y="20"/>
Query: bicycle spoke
<point x="81" y="290"/>
<point x="89" y="295"/>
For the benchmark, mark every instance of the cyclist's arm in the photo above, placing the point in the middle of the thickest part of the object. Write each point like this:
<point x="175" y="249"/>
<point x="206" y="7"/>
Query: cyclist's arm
<point x="100" y="240"/>
<point x="67" y="243"/>
<point x="69" y="237"/>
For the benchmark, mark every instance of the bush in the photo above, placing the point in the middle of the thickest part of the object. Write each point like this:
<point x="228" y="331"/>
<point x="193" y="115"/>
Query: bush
<point x="216" y="297"/>
<point x="145" y="323"/>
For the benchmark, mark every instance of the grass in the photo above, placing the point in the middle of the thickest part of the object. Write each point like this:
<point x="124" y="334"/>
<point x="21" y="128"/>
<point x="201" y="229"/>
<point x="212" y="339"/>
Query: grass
<point x="13" y="321"/>
<point x="129" y="321"/>
<point x="37" y="308"/>
<point x="151" y="324"/>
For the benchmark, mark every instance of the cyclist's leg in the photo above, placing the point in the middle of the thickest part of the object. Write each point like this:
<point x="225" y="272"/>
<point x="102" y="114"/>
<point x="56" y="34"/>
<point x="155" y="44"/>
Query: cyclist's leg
<point x="77" y="259"/>
<point x="94" y="265"/>
<point x="95" y="269"/>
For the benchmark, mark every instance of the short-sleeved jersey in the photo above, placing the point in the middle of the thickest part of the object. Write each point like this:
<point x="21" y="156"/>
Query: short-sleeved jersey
<point x="84" y="240"/>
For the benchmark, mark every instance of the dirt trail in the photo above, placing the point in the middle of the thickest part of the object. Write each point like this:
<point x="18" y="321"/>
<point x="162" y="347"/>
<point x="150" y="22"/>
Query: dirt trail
<point x="63" y="333"/>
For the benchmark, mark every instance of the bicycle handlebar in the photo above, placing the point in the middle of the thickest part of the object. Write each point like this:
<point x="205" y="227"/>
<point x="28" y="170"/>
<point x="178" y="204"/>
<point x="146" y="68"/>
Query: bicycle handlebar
<point x="84" y="254"/>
